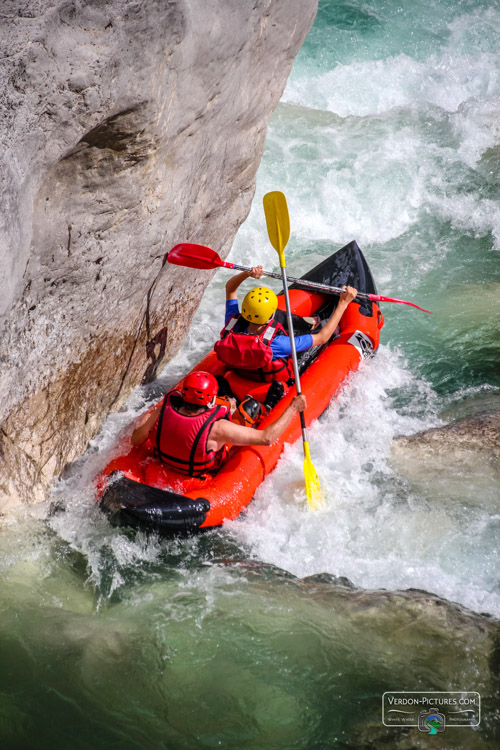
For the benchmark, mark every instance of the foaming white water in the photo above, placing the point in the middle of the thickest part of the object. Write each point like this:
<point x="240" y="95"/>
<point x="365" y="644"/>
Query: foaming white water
<point x="373" y="194"/>
<point x="378" y="179"/>
<point x="477" y="126"/>
<point x="377" y="528"/>
<point x="469" y="213"/>
<point x="378" y="194"/>
<point x="409" y="128"/>
<point x="477" y="31"/>
<point x="462" y="63"/>
<point x="372" y="88"/>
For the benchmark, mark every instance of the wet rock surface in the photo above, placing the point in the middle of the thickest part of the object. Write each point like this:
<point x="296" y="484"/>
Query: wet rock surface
<point x="126" y="127"/>
<point x="327" y="649"/>
<point x="415" y="640"/>
<point x="469" y="444"/>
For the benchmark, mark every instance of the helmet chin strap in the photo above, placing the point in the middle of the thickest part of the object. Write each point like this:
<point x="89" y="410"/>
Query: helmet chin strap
<point x="212" y="403"/>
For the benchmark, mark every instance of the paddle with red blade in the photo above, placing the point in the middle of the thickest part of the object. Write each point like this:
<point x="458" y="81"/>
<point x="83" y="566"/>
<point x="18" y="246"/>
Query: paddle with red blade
<point x="198" y="256"/>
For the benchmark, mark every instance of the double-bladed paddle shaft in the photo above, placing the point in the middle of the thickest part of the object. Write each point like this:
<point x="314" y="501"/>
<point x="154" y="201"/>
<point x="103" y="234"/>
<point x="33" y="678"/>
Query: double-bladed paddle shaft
<point x="278" y="228"/>
<point x="198" y="256"/>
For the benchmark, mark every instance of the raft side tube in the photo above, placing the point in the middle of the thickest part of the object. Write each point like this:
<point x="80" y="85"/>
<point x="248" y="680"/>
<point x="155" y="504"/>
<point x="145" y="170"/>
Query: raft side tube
<point x="130" y="503"/>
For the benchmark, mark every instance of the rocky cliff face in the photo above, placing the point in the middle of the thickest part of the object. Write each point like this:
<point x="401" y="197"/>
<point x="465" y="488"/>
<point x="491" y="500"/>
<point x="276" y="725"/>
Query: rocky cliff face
<point x="125" y="127"/>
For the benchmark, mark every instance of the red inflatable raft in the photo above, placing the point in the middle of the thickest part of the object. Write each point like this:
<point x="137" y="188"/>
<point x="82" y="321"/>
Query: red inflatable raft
<point x="137" y="490"/>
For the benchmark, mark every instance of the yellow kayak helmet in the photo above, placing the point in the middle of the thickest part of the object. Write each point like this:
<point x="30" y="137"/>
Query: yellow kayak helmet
<point x="259" y="305"/>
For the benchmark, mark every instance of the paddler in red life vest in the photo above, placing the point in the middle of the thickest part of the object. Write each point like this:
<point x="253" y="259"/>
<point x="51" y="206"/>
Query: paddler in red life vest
<point x="255" y="342"/>
<point x="190" y="430"/>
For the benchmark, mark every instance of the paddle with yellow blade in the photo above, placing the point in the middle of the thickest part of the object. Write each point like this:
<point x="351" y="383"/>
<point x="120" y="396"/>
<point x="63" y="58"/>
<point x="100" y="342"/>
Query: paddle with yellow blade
<point x="278" y="229"/>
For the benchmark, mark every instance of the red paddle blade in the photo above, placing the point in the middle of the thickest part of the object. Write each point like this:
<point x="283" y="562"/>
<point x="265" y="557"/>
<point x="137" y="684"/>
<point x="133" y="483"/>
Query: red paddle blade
<point x="195" y="256"/>
<point x="379" y="298"/>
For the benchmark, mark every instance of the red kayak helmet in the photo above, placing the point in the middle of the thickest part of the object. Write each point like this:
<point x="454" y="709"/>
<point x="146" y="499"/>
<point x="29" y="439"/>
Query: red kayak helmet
<point x="199" y="388"/>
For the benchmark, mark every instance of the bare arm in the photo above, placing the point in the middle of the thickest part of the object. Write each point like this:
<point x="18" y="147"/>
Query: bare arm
<point x="140" y="434"/>
<point x="328" y="330"/>
<point x="234" y="282"/>
<point x="224" y="432"/>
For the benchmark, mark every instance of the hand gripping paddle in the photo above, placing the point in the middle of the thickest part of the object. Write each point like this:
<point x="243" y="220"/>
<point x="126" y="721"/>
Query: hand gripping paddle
<point x="198" y="256"/>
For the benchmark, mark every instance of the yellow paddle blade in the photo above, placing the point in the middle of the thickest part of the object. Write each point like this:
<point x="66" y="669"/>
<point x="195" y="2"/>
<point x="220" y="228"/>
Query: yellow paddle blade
<point x="278" y="222"/>
<point x="278" y="229"/>
<point x="313" y="487"/>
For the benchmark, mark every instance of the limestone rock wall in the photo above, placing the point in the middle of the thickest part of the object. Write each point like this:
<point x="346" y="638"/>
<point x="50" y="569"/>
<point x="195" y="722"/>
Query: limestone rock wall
<point x="125" y="127"/>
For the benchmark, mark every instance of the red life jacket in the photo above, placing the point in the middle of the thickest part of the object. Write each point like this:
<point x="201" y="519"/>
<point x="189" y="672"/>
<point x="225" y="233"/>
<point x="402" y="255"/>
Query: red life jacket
<point x="250" y="354"/>
<point x="181" y="441"/>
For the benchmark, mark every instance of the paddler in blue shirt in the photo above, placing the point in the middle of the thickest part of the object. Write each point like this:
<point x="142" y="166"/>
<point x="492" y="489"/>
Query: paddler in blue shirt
<point x="254" y="341"/>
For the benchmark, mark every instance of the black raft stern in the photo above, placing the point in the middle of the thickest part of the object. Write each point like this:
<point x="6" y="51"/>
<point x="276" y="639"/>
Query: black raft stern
<point x="130" y="503"/>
